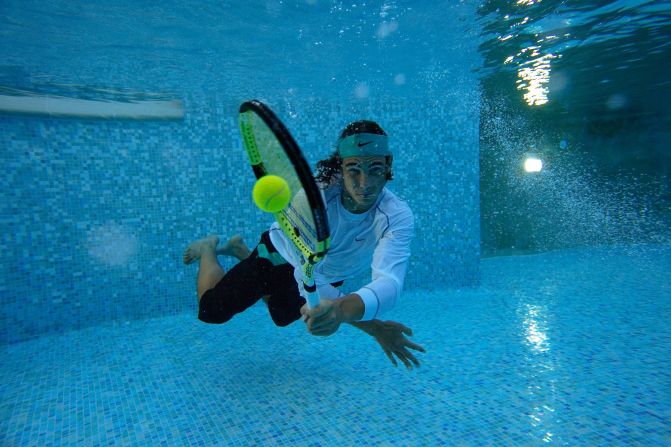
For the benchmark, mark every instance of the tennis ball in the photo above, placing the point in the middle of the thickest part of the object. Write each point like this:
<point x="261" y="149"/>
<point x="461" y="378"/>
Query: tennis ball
<point x="271" y="193"/>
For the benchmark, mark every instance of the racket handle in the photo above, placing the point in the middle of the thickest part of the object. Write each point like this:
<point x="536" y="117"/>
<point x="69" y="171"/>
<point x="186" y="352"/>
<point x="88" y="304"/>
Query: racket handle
<point x="311" y="292"/>
<point x="312" y="299"/>
<point x="310" y="286"/>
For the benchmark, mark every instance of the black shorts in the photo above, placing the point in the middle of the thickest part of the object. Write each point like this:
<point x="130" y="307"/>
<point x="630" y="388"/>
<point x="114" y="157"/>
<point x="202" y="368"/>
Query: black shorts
<point x="264" y="272"/>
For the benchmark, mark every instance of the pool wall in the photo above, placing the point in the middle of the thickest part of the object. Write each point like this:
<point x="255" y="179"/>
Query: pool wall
<point x="96" y="213"/>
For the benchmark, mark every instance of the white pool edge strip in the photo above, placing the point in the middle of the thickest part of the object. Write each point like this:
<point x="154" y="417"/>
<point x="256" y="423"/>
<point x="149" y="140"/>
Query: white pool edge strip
<point x="86" y="108"/>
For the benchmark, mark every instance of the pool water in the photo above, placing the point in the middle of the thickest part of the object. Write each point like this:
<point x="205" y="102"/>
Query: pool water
<point x="563" y="348"/>
<point x="542" y="298"/>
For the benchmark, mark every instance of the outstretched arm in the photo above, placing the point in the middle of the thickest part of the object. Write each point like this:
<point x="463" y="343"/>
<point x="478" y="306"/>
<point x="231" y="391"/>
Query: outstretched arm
<point x="326" y="318"/>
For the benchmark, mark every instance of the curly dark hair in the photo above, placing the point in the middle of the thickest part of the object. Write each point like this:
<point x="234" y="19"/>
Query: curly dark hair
<point x="329" y="171"/>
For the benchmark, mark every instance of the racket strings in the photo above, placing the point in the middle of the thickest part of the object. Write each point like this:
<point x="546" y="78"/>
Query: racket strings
<point x="297" y="220"/>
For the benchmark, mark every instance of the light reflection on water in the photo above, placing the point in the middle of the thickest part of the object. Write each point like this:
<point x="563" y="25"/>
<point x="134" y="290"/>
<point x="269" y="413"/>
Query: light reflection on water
<point x="535" y="328"/>
<point x="535" y="77"/>
<point x="528" y="35"/>
<point x="542" y="391"/>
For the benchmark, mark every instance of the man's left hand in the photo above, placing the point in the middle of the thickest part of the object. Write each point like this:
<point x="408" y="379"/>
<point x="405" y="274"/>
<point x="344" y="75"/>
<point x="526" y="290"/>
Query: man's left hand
<point x="324" y="319"/>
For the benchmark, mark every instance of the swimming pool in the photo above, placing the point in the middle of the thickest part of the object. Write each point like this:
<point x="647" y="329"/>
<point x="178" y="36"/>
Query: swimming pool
<point x="542" y="298"/>
<point x="562" y="348"/>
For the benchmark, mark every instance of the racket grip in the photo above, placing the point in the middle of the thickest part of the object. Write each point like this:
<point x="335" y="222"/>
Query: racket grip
<point x="312" y="295"/>
<point x="313" y="299"/>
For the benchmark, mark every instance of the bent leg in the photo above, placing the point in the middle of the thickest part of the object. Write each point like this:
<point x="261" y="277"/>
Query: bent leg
<point x="210" y="271"/>
<point x="221" y="295"/>
<point x="235" y="247"/>
<point x="240" y="288"/>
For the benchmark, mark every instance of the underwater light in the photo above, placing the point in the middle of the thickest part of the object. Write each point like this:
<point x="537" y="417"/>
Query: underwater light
<point x="533" y="164"/>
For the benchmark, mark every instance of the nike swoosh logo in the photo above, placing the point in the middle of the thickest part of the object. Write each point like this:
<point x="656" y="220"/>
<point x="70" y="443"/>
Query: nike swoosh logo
<point x="359" y="240"/>
<point x="363" y="144"/>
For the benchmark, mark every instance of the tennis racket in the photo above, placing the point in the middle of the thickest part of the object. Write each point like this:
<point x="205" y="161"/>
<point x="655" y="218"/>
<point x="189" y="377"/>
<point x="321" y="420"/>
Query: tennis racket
<point x="272" y="150"/>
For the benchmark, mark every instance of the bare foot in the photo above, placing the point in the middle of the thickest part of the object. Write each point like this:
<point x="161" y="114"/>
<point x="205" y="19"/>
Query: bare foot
<point x="235" y="247"/>
<point x="195" y="249"/>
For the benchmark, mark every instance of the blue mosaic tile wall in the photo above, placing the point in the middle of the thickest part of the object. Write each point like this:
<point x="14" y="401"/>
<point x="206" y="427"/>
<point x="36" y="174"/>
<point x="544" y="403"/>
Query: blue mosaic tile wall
<point x="96" y="214"/>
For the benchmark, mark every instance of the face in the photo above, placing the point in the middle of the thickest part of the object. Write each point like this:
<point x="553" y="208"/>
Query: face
<point x="363" y="180"/>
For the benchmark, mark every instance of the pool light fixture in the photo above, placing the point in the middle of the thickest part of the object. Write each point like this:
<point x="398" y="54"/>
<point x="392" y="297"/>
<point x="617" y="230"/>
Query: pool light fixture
<point x="533" y="164"/>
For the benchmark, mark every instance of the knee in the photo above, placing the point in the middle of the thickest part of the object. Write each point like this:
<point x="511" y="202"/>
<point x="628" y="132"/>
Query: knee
<point x="211" y="310"/>
<point x="282" y="318"/>
<point x="213" y="318"/>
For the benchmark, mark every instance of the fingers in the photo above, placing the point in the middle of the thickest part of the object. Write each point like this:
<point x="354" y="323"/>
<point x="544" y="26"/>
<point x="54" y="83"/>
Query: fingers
<point x="404" y="356"/>
<point x="412" y="358"/>
<point x="321" y="319"/>
<point x="318" y="329"/>
<point x="316" y="313"/>
<point x="322" y="327"/>
<point x="391" y="357"/>
<point x="404" y="359"/>
<point x="323" y="309"/>
<point x="319" y="324"/>
<point x="304" y="313"/>
<point x="415" y="346"/>
<point x="323" y="332"/>
<point x="404" y="329"/>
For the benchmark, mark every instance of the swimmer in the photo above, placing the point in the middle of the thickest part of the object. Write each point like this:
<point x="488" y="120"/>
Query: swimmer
<point x="371" y="230"/>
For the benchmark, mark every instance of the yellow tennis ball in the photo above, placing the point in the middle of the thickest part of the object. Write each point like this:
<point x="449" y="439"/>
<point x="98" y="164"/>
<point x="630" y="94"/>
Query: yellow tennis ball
<point x="271" y="193"/>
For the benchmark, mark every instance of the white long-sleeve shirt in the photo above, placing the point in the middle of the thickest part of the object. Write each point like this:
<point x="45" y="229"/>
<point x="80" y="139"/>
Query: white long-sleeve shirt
<point x="377" y="240"/>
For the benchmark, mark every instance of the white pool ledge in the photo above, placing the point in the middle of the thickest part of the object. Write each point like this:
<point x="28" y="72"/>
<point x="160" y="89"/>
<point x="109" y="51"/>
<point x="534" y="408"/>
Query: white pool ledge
<point x="86" y="108"/>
